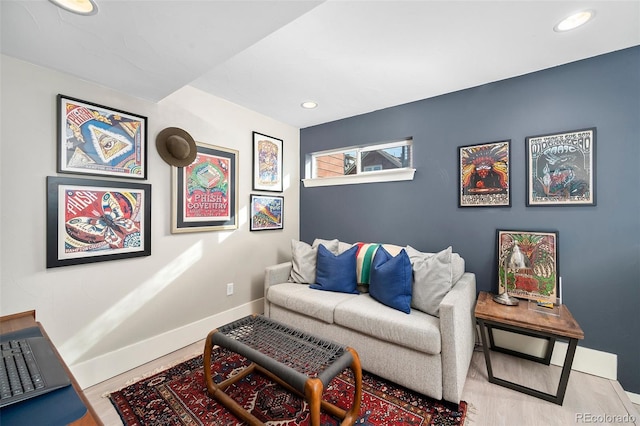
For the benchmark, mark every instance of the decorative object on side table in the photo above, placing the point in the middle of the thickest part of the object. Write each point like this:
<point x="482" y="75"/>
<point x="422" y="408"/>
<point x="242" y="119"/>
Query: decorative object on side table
<point x="267" y="163"/>
<point x="98" y="140"/>
<point x="561" y="169"/>
<point x="96" y="220"/>
<point x="527" y="266"/>
<point x="205" y="192"/>
<point x="484" y="175"/>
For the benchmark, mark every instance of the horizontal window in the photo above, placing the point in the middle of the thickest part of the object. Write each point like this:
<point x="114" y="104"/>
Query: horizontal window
<point x="382" y="162"/>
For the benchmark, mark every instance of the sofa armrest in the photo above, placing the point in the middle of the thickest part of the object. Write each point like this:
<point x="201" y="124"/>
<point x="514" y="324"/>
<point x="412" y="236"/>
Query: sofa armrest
<point x="275" y="274"/>
<point x="457" y="330"/>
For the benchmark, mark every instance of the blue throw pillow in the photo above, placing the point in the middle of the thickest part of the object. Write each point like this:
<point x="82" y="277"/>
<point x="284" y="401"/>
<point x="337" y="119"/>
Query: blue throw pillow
<point x="391" y="279"/>
<point x="336" y="273"/>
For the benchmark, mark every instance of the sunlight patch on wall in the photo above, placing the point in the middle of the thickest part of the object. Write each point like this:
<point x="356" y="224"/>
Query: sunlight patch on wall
<point x="243" y="215"/>
<point x="96" y="330"/>
<point x="286" y="182"/>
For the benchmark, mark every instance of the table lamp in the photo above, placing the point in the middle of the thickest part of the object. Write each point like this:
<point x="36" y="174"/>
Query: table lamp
<point x="515" y="261"/>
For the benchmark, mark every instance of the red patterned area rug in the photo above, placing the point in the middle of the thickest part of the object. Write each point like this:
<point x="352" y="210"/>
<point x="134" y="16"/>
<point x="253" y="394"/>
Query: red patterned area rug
<point x="178" y="396"/>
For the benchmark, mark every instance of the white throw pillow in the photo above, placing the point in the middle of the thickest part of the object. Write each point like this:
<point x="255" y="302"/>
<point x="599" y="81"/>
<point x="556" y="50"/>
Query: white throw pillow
<point x="432" y="279"/>
<point x="304" y="258"/>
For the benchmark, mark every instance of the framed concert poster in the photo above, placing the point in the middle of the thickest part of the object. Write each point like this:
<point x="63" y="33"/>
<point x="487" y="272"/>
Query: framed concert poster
<point x="538" y="251"/>
<point x="97" y="140"/>
<point x="484" y="174"/>
<point x="266" y="212"/>
<point x="561" y="169"/>
<point x="267" y="163"/>
<point x="205" y="193"/>
<point x="96" y="220"/>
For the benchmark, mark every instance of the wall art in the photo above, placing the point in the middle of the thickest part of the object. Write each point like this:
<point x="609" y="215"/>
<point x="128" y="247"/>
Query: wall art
<point x="484" y="172"/>
<point x="96" y="220"/>
<point x="561" y="169"/>
<point x="267" y="163"/>
<point x="266" y="212"/>
<point x="98" y="140"/>
<point x="205" y="193"/>
<point x="540" y="280"/>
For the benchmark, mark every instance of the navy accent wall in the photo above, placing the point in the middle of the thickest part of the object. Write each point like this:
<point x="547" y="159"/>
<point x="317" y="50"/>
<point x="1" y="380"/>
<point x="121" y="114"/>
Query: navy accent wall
<point x="599" y="246"/>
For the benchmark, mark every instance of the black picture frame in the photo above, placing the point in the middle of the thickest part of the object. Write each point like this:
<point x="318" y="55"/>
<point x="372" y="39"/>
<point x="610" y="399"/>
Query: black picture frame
<point x="267" y="163"/>
<point x="90" y="220"/>
<point x="267" y="212"/>
<point x="94" y="139"/>
<point x="205" y="193"/>
<point x="484" y="172"/>
<point x="561" y="168"/>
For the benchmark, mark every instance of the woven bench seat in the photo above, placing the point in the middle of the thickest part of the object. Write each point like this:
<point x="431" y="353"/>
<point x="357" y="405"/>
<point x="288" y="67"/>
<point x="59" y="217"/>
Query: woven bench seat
<point x="300" y="362"/>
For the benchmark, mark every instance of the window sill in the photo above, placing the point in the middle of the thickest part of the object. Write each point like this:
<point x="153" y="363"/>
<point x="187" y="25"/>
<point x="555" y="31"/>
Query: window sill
<point x="370" y="177"/>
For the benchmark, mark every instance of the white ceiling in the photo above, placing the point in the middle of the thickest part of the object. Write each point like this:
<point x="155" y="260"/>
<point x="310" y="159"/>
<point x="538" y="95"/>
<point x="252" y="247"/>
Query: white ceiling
<point x="351" y="57"/>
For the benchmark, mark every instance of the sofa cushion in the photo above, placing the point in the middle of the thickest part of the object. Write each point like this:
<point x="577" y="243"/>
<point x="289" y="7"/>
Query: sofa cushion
<point x="364" y="314"/>
<point x="432" y="279"/>
<point x="391" y="279"/>
<point x="303" y="300"/>
<point x="303" y="258"/>
<point x="336" y="272"/>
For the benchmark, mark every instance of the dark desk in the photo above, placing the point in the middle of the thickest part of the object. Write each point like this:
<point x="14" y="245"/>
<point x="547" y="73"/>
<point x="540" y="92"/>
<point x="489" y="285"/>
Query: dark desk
<point x="520" y="319"/>
<point x="67" y="406"/>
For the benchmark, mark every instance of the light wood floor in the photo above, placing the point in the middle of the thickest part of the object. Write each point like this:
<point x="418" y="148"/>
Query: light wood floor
<point x="589" y="399"/>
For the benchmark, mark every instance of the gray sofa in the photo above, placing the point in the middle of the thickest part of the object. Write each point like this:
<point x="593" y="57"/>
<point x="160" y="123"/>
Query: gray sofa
<point x="423" y="352"/>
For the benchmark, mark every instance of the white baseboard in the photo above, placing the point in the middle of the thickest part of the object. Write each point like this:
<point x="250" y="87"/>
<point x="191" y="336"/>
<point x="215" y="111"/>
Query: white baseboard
<point x="634" y="397"/>
<point x="96" y="370"/>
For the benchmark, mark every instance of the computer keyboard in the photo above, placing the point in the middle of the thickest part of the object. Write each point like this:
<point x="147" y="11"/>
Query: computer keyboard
<point x="19" y="372"/>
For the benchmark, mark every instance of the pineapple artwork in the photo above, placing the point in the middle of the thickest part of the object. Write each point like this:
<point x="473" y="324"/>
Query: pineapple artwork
<point x="540" y="281"/>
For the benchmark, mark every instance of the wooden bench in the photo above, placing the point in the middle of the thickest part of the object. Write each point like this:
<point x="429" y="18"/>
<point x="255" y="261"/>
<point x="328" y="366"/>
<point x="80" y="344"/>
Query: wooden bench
<point x="302" y="363"/>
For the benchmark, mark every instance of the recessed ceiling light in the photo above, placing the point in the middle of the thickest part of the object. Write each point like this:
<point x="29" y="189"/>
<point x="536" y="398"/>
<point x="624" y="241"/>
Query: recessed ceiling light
<point x="309" y="105"/>
<point x="574" y="21"/>
<point x="81" y="7"/>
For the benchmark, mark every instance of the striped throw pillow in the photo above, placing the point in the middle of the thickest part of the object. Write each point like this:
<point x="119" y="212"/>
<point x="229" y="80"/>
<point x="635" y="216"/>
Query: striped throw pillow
<point x="364" y="258"/>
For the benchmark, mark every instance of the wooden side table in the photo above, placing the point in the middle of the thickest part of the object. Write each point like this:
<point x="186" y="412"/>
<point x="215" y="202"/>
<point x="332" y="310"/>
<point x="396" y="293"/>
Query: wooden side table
<point x="520" y="319"/>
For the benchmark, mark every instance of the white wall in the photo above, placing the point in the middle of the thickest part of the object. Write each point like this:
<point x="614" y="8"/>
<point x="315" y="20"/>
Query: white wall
<point x="98" y="314"/>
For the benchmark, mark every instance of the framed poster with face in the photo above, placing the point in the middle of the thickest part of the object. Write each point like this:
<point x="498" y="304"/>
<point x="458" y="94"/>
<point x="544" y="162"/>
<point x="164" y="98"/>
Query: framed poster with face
<point x="98" y="140"/>
<point x="561" y="169"/>
<point x="95" y="220"/>
<point x="267" y="163"/>
<point x="205" y="193"/>
<point x="484" y="173"/>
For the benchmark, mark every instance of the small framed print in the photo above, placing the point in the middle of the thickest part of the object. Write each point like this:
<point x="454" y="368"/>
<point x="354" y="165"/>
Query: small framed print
<point x="561" y="169"/>
<point x="484" y="173"/>
<point x="266" y="212"/>
<point x="267" y="163"/>
<point x="205" y="193"/>
<point x="538" y="282"/>
<point x="98" y="140"/>
<point x="96" y="220"/>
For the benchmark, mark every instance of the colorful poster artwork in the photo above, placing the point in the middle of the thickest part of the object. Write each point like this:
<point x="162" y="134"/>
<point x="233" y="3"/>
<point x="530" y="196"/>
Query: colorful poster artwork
<point x="561" y="168"/>
<point x="539" y="282"/>
<point x="98" y="140"/>
<point x="266" y="212"/>
<point x="484" y="175"/>
<point x="100" y="220"/>
<point x="206" y="189"/>
<point x="269" y="173"/>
